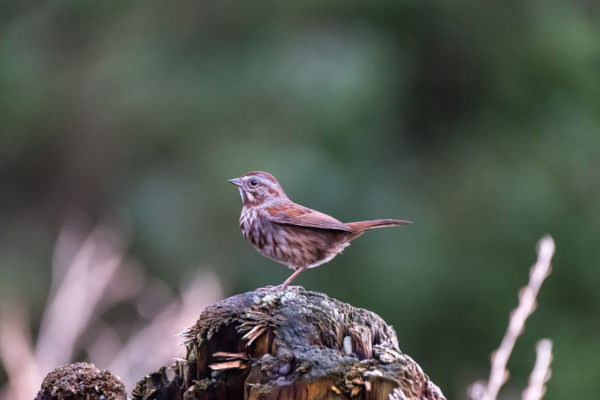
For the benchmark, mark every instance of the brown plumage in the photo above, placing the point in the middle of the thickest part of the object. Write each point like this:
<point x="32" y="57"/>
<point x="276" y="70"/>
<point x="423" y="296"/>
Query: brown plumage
<point x="289" y="233"/>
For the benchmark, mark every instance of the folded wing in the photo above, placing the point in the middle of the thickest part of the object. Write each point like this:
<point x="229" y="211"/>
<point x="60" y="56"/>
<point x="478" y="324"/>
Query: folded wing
<point x="294" y="214"/>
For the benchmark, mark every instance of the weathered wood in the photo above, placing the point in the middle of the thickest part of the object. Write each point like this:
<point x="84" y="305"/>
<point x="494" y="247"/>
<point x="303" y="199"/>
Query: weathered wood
<point x="289" y="344"/>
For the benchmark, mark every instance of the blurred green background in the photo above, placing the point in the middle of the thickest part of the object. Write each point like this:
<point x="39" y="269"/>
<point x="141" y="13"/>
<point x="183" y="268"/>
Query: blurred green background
<point x="479" y="121"/>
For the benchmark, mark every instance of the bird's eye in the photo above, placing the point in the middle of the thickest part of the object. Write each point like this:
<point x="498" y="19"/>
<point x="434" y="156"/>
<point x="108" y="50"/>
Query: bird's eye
<point x="253" y="183"/>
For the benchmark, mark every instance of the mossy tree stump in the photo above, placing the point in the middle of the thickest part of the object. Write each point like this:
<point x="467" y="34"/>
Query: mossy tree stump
<point x="289" y="344"/>
<point x="79" y="381"/>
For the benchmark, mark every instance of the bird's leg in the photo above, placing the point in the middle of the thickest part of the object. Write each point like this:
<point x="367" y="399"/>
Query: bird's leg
<point x="286" y="283"/>
<point x="289" y="280"/>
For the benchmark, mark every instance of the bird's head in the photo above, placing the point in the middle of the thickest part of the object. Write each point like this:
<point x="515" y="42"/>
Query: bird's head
<point x="258" y="187"/>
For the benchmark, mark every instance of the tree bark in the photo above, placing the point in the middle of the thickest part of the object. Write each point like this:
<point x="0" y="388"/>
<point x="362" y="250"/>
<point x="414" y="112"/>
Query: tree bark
<point x="289" y="344"/>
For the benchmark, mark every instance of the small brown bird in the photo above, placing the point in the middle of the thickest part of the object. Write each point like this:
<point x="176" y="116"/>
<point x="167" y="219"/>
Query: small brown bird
<point x="289" y="233"/>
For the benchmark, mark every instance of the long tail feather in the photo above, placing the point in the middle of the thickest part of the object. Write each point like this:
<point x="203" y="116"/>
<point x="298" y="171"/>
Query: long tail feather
<point x="376" y="223"/>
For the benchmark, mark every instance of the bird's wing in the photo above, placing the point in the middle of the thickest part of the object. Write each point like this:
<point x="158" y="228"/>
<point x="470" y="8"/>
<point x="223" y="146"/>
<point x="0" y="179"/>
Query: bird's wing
<point x="294" y="214"/>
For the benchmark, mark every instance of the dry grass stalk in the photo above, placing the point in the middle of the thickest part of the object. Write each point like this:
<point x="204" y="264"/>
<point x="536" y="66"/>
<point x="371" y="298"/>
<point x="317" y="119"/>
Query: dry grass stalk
<point x="541" y="371"/>
<point x="90" y="274"/>
<point x="527" y="303"/>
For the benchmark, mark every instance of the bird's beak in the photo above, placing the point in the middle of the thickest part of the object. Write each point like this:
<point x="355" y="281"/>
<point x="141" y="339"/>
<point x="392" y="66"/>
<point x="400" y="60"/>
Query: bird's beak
<point x="236" y="181"/>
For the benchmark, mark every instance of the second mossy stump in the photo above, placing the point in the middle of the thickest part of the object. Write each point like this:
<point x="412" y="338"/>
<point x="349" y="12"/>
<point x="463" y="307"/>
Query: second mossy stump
<point x="289" y="344"/>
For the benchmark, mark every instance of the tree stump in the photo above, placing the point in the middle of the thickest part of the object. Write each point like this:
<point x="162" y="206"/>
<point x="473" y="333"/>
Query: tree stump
<point x="289" y="344"/>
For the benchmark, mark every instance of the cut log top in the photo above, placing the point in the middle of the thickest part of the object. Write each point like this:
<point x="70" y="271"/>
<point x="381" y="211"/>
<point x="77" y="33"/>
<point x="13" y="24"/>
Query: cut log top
<point x="300" y="319"/>
<point x="290" y="344"/>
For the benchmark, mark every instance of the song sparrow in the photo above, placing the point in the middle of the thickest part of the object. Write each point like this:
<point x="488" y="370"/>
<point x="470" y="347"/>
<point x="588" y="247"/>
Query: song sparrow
<point x="289" y="233"/>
